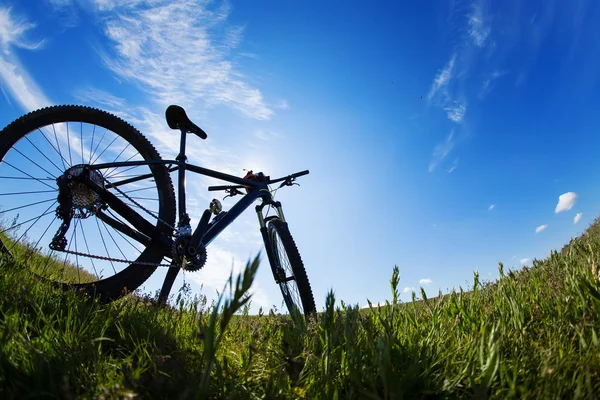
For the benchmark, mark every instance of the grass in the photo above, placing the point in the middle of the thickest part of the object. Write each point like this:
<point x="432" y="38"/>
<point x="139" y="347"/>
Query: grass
<point x="531" y="334"/>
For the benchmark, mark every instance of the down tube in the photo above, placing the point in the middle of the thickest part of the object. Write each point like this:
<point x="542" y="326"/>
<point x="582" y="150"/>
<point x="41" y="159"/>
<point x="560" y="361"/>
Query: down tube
<point x="231" y="215"/>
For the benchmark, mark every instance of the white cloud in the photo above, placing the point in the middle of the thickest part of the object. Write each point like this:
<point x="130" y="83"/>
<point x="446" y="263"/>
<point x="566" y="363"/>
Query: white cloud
<point x="375" y="305"/>
<point x="282" y="104"/>
<point x="12" y="32"/>
<point x="442" y="78"/>
<point x="425" y="281"/>
<point x="491" y="207"/>
<point x="408" y="289"/>
<point x="525" y="261"/>
<point x="14" y="78"/>
<point x="479" y="28"/>
<point x="441" y="151"/>
<point x="541" y="228"/>
<point x="456" y="112"/>
<point x="566" y="201"/>
<point x="453" y="166"/>
<point x="577" y="218"/>
<point x="178" y="51"/>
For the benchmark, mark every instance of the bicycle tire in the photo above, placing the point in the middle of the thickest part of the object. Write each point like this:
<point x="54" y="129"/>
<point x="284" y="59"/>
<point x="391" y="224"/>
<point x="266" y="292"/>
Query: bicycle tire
<point x="30" y="130"/>
<point x="295" y="288"/>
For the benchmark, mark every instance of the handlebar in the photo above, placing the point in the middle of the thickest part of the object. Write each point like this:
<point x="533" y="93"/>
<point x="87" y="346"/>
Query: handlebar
<point x="229" y="187"/>
<point x="225" y="187"/>
<point x="292" y="176"/>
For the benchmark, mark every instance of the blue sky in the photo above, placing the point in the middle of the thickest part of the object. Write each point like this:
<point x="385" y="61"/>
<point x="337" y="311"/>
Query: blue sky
<point x="439" y="135"/>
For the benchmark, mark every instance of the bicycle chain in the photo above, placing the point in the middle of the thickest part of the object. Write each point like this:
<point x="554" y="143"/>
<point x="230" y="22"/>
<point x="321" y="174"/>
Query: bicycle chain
<point x="112" y="259"/>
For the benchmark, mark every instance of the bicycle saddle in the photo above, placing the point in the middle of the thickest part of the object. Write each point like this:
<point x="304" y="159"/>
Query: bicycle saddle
<point x="178" y="119"/>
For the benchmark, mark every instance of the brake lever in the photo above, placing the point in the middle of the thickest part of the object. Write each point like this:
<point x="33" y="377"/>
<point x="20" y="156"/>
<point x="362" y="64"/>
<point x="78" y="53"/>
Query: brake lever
<point x="232" y="192"/>
<point x="288" y="182"/>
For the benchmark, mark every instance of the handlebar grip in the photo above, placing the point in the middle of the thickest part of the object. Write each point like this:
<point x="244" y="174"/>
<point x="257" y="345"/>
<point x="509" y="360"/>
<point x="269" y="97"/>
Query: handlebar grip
<point x="297" y="174"/>
<point x="215" y="188"/>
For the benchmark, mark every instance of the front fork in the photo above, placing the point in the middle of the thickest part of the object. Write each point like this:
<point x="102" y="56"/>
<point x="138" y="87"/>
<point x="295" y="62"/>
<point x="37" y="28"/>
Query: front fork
<point x="278" y="272"/>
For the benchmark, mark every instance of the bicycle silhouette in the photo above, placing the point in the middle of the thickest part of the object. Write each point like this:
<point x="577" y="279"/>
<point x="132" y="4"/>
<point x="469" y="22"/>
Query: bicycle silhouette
<point x="96" y="195"/>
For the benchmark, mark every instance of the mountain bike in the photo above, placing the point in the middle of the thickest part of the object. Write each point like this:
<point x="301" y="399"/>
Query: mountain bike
<point x="89" y="202"/>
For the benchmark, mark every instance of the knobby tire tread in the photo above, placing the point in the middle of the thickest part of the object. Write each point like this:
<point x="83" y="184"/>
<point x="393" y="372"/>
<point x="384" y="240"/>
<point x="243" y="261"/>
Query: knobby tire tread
<point x="280" y="228"/>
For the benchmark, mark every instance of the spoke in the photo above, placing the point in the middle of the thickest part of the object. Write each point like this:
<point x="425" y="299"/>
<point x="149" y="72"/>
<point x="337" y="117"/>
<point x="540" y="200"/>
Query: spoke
<point x="138" y="198"/>
<point x="124" y="238"/>
<point x="130" y="168"/>
<point x="62" y="276"/>
<point x="32" y="177"/>
<point x="114" y="241"/>
<point x="32" y="192"/>
<point x="27" y="179"/>
<point x="76" y="250"/>
<point x="119" y="155"/>
<point x="88" y="251"/>
<point x="58" y="146"/>
<point x="100" y="155"/>
<point x="43" y="234"/>
<point x="33" y="162"/>
<point x="30" y="226"/>
<point x="29" y="220"/>
<point x="69" y="144"/>
<point x="138" y="190"/>
<point x="27" y="205"/>
<point x="81" y="140"/>
<point x="102" y="138"/>
<point x="92" y="143"/>
<point x="43" y="154"/>
<point x="114" y="172"/>
<point x="104" y="243"/>
<point x="47" y="262"/>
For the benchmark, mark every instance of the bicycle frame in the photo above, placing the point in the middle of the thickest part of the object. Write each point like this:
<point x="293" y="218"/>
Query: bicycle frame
<point x="258" y="190"/>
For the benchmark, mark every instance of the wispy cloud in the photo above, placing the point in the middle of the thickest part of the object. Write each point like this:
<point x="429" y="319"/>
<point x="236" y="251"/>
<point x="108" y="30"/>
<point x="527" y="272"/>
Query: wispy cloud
<point x="441" y="151"/>
<point x="442" y="79"/>
<point x="491" y="207"/>
<point x="525" y="261"/>
<point x="408" y="289"/>
<point x="15" y="79"/>
<point x="60" y="3"/>
<point x="179" y="51"/>
<point x="488" y="83"/>
<point x="566" y="201"/>
<point x="456" y="111"/>
<point x="282" y="105"/>
<point x="425" y="281"/>
<point x="12" y="32"/>
<point x="479" y="28"/>
<point x="577" y="218"/>
<point x="541" y="228"/>
<point x="453" y="166"/>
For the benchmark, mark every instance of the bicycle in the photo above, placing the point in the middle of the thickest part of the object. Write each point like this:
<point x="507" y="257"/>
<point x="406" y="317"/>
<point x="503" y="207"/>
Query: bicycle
<point x="122" y="192"/>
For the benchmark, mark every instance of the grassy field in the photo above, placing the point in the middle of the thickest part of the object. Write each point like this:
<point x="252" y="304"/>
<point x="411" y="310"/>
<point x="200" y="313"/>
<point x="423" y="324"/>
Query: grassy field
<point x="531" y="334"/>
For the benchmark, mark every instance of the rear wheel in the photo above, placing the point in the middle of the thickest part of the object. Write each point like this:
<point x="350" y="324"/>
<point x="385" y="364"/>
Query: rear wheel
<point x="289" y="270"/>
<point x="102" y="253"/>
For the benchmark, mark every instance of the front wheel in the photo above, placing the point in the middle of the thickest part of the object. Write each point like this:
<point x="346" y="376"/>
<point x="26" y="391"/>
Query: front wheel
<point x="288" y="270"/>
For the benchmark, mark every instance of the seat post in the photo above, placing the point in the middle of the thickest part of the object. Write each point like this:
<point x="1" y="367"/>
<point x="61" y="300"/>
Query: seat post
<point x="181" y="158"/>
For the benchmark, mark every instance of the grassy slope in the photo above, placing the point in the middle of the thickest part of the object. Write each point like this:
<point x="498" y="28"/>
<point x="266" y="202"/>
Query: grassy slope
<point x="532" y="334"/>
